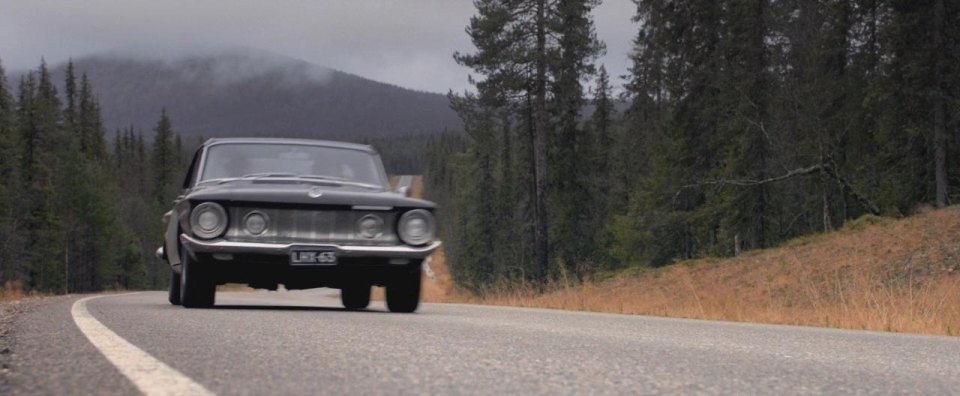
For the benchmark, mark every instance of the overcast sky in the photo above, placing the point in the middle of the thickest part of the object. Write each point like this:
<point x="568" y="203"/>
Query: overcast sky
<point x="404" y="42"/>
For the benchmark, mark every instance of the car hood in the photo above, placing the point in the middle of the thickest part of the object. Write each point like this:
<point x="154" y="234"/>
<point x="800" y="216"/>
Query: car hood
<point x="302" y="194"/>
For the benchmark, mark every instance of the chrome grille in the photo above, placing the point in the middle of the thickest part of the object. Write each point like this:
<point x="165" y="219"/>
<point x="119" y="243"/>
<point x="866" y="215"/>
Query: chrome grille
<point x="311" y="226"/>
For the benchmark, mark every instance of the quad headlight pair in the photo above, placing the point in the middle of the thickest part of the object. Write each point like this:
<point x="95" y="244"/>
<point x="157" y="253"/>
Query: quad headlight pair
<point x="209" y="220"/>
<point x="416" y="227"/>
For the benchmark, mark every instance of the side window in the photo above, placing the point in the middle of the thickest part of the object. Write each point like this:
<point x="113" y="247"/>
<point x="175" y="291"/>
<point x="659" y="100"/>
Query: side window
<point x="192" y="171"/>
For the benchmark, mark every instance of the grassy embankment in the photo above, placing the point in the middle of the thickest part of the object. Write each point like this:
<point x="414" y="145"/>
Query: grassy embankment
<point x="12" y="291"/>
<point x="875" y="274"/>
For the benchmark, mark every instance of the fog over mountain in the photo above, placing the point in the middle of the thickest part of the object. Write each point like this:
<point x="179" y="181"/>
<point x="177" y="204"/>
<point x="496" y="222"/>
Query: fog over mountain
<point x="247" y="92"/>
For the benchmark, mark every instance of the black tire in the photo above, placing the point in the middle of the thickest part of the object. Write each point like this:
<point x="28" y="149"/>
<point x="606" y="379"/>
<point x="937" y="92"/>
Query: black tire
<point x="197" y="289"/>
<point x="174" y="289"/>
<point x="403" y="292"/>
<point x="355" y="296"/>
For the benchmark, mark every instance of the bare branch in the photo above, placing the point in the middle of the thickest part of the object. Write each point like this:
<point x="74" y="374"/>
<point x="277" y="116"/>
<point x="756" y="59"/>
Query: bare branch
<point x="829" y="169"/>
<point x="753" y="182"/>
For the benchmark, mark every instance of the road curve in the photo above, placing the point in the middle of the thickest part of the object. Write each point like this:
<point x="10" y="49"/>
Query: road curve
<point x="304" y="343"/>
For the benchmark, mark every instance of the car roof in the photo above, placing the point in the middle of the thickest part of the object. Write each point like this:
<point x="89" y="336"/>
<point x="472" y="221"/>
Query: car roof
<point x="310" y="142"/>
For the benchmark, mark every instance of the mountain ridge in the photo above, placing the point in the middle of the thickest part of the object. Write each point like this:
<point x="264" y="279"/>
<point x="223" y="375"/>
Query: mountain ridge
<point x="254" y="93"/>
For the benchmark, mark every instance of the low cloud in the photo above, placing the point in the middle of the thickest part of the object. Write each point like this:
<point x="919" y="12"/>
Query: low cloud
<point x="403" y="42"/>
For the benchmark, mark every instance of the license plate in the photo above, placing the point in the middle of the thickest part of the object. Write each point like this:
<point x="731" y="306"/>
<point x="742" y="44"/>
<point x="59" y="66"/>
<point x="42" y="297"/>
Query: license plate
<point x="313" y="257"/>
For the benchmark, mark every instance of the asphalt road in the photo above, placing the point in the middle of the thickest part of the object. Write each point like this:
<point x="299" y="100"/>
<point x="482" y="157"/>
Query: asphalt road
<point x="303" y="343"/>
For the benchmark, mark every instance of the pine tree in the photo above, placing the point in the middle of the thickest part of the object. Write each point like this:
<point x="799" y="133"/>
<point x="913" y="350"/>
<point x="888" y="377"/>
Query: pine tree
<point x="601" y="125"/>
<point x="509" y="205"/>
<point x="179" y="156"/>
<point x="40" y="131"/>
<point x="70" y="88"/>
<point x="118" y="150"/>
<point x="90" y="124"/>
<point x="88" y="194"/>
<point x="142" y="169"/>
<point x="743" y="214"/>
<point x="939" y="94"/>
<point x="9" y="186"/>
<point x="513" y="55"/>
<point x="164" y="161"/>
<point x="571" y="200"/>
<point x="520" y="60"/>
<point x="596" y="168"/>
<point x="475" y="198"/>
<point x="675" y="115"/>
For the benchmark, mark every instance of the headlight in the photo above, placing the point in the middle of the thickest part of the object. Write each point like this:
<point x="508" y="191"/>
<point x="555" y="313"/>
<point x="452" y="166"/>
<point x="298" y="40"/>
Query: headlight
<point x="416" y="227"/>
<point x="256" y="223"/>
<point x="370" y="226"/>
<point x="208" y="220"/>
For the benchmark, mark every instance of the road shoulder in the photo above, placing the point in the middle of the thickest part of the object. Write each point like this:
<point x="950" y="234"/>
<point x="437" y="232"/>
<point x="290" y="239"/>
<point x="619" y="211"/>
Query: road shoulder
<point x="47" y="354"/>
<point x="9" y="312"/>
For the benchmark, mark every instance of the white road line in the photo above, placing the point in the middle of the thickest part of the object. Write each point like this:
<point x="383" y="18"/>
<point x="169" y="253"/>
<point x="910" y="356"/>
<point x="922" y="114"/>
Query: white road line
<point x="150" y="375"/>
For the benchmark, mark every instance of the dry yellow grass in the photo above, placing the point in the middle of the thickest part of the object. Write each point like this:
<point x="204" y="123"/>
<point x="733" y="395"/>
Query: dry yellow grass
<point x="13" y="291"/>
<point x="440" y="287"/>
<point x="897" y="275"/>
<point x="234" y="287"/>
<point x="416" y="187"/>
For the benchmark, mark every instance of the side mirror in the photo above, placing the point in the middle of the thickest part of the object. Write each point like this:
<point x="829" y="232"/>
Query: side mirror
<point x="405" y="191"/>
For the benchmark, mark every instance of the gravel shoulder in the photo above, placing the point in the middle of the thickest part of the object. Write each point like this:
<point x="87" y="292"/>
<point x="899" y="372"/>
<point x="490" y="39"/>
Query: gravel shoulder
<point x="9" y="312"/>
<point x="47" y="355"/>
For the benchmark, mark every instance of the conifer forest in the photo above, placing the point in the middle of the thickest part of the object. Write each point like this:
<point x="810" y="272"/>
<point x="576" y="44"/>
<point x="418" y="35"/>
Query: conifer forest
<point x="741" y="124"/>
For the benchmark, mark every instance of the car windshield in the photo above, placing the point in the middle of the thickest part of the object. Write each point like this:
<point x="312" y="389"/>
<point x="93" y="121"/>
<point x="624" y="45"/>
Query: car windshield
<point x="225" y="161"/>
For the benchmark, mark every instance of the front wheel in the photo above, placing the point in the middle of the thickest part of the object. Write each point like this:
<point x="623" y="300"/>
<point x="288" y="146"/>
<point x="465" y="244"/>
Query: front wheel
<point x="403" y="292"/>
<point x="197" y="289"/>
<point x="174" y="288"/>
<point x="355" y="296"/>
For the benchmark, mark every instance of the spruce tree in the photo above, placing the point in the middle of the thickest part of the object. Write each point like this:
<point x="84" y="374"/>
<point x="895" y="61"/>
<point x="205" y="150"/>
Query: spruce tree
<point x="164" y="161"/>
<point x="92" y="141"/>
<point x="40" y="130"/>
<point x="518" y="58"/>
<point x="514" y="56"/>
<point x="596" y="168"/>
<point x="743" y="214"/>
<point x="571" y="201"/>
<point x="9" y="186"/>
<point x="675" y="115"/>
<point x="89" y="193"/>
<point x="70" y="92"/>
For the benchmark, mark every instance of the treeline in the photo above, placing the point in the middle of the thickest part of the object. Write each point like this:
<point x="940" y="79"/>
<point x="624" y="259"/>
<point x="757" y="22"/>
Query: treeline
<point x="76" y="216"/>
<point x="403" y="154"/>
<point x="748" y="123"/>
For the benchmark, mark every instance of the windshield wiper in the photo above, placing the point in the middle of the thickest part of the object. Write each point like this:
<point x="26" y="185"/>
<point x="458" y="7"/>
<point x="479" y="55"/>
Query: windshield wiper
<point x="319" y="179"/>
<point x="340" y="181"/>
<point x="322" y="177"/>
<point x="267" y="174"/>
<point x="251" y="176"/>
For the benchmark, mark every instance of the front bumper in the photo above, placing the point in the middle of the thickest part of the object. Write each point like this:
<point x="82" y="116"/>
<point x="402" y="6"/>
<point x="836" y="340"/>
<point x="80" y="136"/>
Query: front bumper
<point x="224" y="246"/>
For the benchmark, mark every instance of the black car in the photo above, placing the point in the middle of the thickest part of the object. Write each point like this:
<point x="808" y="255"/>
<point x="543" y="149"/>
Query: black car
<point x="301" y="213"/>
